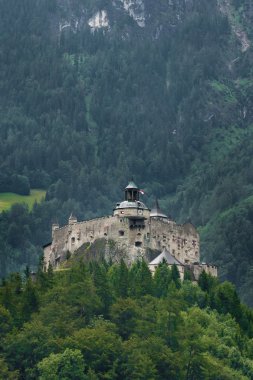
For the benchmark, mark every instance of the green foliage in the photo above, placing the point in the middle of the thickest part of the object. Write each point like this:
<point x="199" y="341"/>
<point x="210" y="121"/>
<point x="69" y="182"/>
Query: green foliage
<point x="5" y="373"/>
<point x="162" y="278"/>
<point x="69" y="330"/>
<point x="66" y="366"/>
<point x="141" y="279"/>
<point x="179" y="91"/>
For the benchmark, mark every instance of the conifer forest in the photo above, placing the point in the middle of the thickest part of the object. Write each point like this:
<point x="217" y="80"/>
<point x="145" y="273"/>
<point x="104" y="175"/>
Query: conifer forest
<point x="94" y="93"/>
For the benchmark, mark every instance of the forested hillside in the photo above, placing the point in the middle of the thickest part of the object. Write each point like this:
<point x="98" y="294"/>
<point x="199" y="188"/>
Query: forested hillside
<point x="95" y="92"/>
<point x="106" y="321"/>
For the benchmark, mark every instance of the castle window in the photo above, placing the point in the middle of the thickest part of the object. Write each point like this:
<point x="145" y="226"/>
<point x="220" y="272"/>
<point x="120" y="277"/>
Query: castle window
<point x="148" y="235"/>
<point x="105" y="234"/>
<point x="138" y="244"/>
<point x="121" y="233"/>
<point x="139" y="234"/>
<point x="73" y="240"/>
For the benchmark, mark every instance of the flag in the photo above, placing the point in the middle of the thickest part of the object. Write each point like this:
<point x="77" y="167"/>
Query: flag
<point x="141" y="191"/>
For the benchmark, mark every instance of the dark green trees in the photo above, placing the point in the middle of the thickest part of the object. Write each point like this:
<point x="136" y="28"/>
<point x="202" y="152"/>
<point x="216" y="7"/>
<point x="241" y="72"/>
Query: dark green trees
<point x="76" y="329"/>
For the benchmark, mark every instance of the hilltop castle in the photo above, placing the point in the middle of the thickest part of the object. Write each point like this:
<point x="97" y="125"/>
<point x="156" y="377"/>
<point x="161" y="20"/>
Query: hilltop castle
<point x="132" y="232"/>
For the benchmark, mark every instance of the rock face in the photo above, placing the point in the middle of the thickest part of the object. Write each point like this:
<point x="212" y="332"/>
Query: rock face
<point x="99" y="20"/>
<point x="136" y="10"/>
<point x="136" y="233"/>
<point x="125" y="15"/>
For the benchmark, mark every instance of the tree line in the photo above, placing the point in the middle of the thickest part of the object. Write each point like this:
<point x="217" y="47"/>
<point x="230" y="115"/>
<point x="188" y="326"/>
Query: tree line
<point x="108" y="321"/>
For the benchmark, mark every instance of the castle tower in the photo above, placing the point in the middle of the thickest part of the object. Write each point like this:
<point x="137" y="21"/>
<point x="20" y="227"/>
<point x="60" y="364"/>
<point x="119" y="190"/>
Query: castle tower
<point x="72" y="219"/>
<point x="132" y="192"/>
<point x="156" y="212"/>
<point x="132" y="207"/>
<point x="55" y="226"/>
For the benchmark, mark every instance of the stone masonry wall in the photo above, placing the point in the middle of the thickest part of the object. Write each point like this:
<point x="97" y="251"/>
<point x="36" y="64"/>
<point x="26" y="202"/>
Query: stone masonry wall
<point x="182" y="241"/>
<point x="132" y="238"/>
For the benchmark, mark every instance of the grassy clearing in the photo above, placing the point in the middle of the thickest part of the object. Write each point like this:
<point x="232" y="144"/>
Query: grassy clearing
<point x="8" y="199"/>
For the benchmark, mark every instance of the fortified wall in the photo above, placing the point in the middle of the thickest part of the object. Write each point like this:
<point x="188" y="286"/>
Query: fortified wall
<point x="136" y="232"/>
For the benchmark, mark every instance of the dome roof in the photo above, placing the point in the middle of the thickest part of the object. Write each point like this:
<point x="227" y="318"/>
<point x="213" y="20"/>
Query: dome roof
<point x="157" y="212"/>
<point x="126" y="204"/>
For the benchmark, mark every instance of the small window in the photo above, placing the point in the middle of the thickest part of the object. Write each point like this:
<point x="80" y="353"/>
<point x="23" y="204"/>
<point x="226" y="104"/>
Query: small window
<point x="73" y="240"/>
<point x="138" y="244"/>
<point x="121" y="233"/>
<point x="139" y="234"/>
<point x="105" y="234"/>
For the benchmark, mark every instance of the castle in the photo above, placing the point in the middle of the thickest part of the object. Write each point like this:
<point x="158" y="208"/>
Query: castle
<point x="132" y="232"/>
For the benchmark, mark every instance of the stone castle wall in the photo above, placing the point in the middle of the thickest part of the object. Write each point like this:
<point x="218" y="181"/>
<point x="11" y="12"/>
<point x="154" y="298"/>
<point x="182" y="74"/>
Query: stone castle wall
<point x="132" y="238"/>
<point x="182" y="241"/>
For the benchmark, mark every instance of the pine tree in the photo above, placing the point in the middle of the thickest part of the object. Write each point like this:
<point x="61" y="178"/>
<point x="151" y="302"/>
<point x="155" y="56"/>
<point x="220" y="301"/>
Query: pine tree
<point x="175" y="275"/>
<point x="162" y="278"/>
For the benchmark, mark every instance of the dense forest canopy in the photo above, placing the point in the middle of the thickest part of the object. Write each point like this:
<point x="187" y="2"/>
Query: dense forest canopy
<point x="170" y="103"/>
<point x="103" y="321"/>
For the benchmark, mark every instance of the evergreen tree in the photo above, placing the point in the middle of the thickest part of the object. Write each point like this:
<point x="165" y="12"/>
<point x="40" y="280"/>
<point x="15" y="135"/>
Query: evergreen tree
<point x="162" y="278"/>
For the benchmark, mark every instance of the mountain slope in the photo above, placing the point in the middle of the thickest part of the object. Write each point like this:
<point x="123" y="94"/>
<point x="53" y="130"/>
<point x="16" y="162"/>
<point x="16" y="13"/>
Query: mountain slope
<point x="98" y="91"/>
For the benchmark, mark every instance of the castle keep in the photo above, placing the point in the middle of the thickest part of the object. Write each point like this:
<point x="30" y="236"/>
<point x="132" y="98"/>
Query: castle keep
<point x="132" y="232"/>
